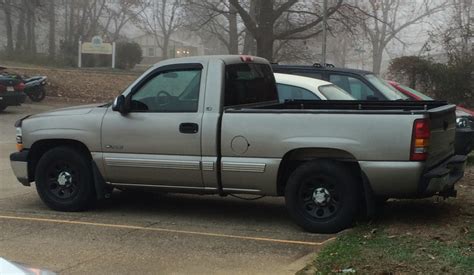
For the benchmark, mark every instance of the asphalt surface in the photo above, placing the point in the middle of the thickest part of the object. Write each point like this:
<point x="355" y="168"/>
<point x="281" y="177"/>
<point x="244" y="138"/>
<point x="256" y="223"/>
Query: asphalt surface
<point x="146" y="233"/>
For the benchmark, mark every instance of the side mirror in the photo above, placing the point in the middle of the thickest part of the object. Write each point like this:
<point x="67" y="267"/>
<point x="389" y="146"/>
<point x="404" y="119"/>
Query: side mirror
<point x="119" y="105"/>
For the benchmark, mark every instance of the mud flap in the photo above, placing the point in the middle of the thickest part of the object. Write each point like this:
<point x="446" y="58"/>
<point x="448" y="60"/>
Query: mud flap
<point x="101" y="189"/>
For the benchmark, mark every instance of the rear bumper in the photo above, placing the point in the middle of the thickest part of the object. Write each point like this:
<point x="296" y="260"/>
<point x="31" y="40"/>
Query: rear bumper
<point x="19" y="163"/>
<point x="411" y="179"/>
<point x="440" y="180"/>
<point x="12" y="98"/>
<point x="464" y="142"/>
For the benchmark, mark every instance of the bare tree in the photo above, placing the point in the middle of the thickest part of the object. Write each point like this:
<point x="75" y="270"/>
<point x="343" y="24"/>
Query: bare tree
<point x="52" y="29"/>
<point x="119" y="15"/>
<point x="266" y="26"/>
<point x="7" y="9"/>
<point x="218" y="18"/>
<point x="383" y="20"/>
<point x="161" y="18"/>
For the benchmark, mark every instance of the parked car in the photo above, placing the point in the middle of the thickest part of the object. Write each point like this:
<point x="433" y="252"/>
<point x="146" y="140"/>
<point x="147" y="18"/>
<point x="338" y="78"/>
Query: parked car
<point x="294" y="87"/>
<point x="11" y="90"/>
<point x="362" y="85"/>
<point x="465" y="119"/>
<point x="213" y="125"/>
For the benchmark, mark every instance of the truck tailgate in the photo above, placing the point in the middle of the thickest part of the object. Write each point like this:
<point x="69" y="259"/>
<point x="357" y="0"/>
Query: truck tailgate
<point x="443" y="130"/>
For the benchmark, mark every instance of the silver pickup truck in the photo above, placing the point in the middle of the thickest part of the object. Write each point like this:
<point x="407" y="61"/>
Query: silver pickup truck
<point x="213" y="125"/>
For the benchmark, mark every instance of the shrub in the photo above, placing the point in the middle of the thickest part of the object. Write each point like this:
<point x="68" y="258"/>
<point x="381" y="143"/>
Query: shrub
<point x="128" y="54"/>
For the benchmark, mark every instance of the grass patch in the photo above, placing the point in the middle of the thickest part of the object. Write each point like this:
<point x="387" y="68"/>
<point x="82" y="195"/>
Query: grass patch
<point x="367" y="250"/>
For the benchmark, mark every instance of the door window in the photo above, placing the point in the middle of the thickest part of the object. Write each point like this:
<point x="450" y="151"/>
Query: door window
<point x="174" y="91"/>
<point x="288" y="92"/>
<point x="358" y="89"/>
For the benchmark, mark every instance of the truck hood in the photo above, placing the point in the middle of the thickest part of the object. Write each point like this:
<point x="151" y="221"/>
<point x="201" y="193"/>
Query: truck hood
<point x="76" y="110"/>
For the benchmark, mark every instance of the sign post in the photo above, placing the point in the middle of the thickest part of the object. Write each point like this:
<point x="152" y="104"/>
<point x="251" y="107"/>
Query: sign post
<point x="96" y="46"/>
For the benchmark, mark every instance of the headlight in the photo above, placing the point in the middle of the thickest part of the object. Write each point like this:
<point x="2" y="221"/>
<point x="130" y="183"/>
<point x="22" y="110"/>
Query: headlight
<point x="462" y="122"/>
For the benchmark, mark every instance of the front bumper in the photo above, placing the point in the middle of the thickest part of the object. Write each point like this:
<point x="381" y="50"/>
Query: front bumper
<point x="440" y="180"/>
<point x="12" y="98"/>
<point x="19" y="163"/>
<point x="464" y="142"/>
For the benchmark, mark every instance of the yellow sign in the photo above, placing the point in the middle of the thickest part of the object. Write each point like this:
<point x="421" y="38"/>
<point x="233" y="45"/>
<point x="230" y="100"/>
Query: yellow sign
<point x="96" y="46"/>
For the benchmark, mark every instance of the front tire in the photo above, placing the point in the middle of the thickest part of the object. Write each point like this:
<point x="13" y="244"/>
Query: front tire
<point x="322" y="196"/>
<point x="64" y="180"/>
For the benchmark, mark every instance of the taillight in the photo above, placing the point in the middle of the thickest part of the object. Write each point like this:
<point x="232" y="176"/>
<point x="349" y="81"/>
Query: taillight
<point x="420" y="140"/>
<point x="20" y="87"/>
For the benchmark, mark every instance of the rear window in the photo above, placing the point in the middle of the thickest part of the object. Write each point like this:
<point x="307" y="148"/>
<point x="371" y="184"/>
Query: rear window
<point x="249" y="83"/>
<point x="332" y="92"/>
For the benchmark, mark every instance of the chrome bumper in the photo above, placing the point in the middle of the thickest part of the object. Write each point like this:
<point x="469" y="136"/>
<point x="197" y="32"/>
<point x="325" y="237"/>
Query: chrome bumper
<point x="19" y="163"/>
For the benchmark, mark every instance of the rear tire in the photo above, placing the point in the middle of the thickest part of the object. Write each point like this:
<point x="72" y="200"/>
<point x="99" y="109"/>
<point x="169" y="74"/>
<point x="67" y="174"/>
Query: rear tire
<point x="322" y="196"/>
<point x="64" y="180"/>
<point x="2" y="107"/>
<point x="37" y="95"/>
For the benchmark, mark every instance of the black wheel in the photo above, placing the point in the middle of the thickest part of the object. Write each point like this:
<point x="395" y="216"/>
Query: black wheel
<point x="37" y="95"/>
<point x="322" y="196"/>
<point x="2" y="107"/>
<point x="64" y="180"/>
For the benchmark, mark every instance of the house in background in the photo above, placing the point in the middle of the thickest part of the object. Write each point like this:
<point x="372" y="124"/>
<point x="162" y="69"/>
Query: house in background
<point x="152" y="53"/>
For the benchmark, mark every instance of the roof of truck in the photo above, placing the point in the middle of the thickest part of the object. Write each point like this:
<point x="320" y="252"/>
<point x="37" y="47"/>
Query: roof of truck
<point x="318" y="68"/>
<point x="228" y="59"/>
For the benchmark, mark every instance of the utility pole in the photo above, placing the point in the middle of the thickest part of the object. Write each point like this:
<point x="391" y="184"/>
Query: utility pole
<point x="325" y="19"/>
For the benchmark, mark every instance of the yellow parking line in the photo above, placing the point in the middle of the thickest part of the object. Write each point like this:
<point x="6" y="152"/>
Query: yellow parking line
<point x="123" y="226"/>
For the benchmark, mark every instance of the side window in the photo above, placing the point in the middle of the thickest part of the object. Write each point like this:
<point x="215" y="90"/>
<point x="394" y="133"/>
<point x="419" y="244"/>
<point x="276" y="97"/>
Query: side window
<point x="288" y="92"/>
<point x="358" y="89"/>
<point x="174" y="91"/>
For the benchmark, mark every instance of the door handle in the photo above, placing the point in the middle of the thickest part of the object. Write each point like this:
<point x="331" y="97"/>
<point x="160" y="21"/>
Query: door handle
<point x="188" y="128"/>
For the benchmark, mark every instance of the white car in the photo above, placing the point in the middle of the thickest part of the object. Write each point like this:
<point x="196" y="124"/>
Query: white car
<point x="293" y="87"/>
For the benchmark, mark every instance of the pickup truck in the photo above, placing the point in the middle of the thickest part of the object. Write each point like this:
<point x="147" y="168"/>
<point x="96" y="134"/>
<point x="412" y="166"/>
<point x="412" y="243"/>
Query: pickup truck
<point x="213" y="125"/>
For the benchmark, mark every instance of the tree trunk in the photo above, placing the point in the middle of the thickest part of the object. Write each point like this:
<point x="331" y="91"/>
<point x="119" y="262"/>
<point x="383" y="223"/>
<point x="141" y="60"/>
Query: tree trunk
<point x="164" y="48"/>
<point x="249" y="40"/>
<point x="233" y="31"/>
<point x="8" y="26"/>
<point x="265" y="37"/>
<point x="376" y="59"/>
<point x="20" y="33"/>
<point x="265" y="47"/>
<point x="52" y="29"/>
<point x="30" y="27"/>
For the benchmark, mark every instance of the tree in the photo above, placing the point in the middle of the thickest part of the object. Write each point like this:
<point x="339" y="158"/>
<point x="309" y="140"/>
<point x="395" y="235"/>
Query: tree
<point x="383" y="20"/>
<point x="52" y="29"/>
<point x="161" y="18"/>
<point x="7" y="8"/>
<point x="266" y="27"/>
<point x="119" y="15"/>
<point x="217" y="18"/>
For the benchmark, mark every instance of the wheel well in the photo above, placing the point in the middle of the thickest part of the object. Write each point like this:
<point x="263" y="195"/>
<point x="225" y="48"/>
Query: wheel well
<point x="40" y="147"/>
<point x="292" y="159"/>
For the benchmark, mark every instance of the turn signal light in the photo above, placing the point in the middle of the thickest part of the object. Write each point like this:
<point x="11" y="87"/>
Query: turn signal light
<point x="19" y="147"/>
<point x="420" y="140"/>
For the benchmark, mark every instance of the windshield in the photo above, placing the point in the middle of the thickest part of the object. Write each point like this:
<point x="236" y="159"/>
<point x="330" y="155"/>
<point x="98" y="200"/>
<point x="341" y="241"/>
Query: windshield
<point x="415" y="92"/>
<point x="332" y="92"/>
<point x="390" y="92"/>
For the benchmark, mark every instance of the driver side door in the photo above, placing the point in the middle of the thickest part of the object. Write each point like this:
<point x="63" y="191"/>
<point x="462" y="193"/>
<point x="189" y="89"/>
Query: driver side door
<point x="158" y="142"/>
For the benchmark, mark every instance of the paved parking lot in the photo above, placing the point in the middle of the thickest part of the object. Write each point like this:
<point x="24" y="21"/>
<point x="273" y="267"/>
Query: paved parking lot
<point x="146" y="233"/>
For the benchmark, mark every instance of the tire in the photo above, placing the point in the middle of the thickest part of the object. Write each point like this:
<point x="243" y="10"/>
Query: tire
<point x="322" y="196"/>
<point x="64" y="180"/>
<point x="2" y="107"/>
<point x="37" y="95"/>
